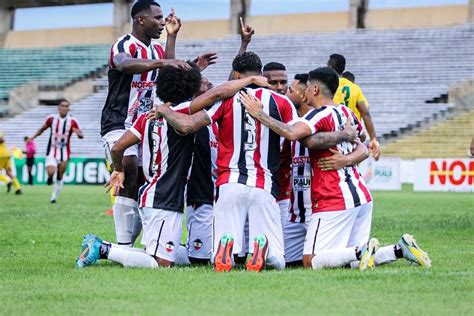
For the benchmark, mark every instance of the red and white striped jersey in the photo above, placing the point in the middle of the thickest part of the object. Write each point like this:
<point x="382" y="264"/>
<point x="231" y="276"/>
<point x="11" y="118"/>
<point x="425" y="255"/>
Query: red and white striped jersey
<point x="166" y="158"/>
<point x="61" y="130"/>
<point x="249" y="152"/>
<point x="335" y="190"/>
<point x="284" y="178"/>
<point x="129" y="94"/>
<point x="300" y="208"/>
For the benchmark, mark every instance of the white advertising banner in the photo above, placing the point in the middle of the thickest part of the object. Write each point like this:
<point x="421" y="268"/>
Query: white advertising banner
<point x="383" y="174"/>
<point x="444" y="175"/>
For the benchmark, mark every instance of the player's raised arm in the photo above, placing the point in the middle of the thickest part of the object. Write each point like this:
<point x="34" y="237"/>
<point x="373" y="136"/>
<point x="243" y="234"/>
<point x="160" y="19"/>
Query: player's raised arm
<point x="246" y="32"/>
<point x="173" y="25"/>
<point x="291" y="132"/>
<point x="338" y="160"/>
<point x="224" y="91"/>
<point x="183" y="123"/>
<point x="205" y="60"/>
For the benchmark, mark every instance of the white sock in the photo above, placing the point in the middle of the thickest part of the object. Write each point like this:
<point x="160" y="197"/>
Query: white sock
<point x="58" y="185"/>
<point x="137" y="225"/>
<point x="385" y="255"/>
<point x="275" y="259"/>
<point x="182" y="258"/>
<point x="333" y="258"/>
<point x="123" y="217"/>
<point x="131" y="258"/>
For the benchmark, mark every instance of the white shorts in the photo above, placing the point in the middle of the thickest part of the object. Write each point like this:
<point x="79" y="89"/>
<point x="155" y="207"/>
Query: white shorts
<point x="199" y="225"/>
<point x="161" y="232"/>
<point x="338" y="229"/>
<point x="108" y="141"/>
<point x="294" y="235"/>
<point x="51" y="161"/>
<point x="237" y="201"/>
<point x="284" y="206"/>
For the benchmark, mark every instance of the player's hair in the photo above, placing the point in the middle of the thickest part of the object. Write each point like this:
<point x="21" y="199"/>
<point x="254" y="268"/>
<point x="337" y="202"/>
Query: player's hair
<point x="25" y="138"/>
<point x="337" y="62"/>
<point x="327" y="79"/>
<point x="177" y="85"/>
<point x="247" y="62"/>
<point x="142" y="5"/>
<point x="349" y="76"/>
<point x="63" y="100"/>
<point x="302" y="78"/>
<point x="273" y="65"/>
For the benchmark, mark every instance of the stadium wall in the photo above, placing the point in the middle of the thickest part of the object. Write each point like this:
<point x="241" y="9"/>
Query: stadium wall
<point x="437" y="16"/>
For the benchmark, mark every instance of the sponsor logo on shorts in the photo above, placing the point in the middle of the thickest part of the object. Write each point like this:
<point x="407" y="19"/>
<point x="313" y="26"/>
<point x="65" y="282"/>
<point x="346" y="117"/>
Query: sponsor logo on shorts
<point x="169" y="246"/>
<point x="197" y="244"/>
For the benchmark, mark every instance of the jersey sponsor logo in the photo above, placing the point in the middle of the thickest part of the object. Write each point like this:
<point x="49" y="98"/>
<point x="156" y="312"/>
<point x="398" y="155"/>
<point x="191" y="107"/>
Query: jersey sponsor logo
<point x="301" y="183"/>
<point x="213" y="144"/>
<point x="197" y="244"/>
<point x="301" y="160"/>
<point x="143" y="84"/>
<point x="169" y="246"/>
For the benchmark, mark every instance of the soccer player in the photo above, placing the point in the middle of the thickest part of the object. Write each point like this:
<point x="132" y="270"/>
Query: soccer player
<point x="349" y="76"/>
<point x="277" y="78"/>
<point x="133" y="67"/>
<point x="5" y="164"/>
<point x="61" y="125"/>
<point x="167" y="155"/>
<point x="350" y="95"/>
<point x="339" y="230"/>
<point x="247" y="161"/>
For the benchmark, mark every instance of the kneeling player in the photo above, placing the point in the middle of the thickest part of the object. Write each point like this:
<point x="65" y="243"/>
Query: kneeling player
<point x="339" y="230"/>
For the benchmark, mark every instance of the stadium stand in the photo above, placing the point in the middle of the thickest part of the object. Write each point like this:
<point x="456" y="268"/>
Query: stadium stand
<point x="405" y="74"/>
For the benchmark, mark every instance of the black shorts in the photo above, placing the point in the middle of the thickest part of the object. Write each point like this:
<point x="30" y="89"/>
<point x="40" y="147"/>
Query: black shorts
<point x="30" y="161"/>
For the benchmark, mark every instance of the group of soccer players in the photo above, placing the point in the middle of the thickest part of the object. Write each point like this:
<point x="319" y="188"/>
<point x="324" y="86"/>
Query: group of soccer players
<point x="266" y="172"/>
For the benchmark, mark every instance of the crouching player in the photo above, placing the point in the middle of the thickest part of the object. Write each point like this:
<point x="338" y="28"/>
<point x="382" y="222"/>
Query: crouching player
<point x="339" y="230"/>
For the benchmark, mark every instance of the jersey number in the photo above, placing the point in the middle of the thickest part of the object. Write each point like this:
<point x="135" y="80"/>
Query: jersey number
<point x="347" y="94"/>
<point x="250" y="127"/>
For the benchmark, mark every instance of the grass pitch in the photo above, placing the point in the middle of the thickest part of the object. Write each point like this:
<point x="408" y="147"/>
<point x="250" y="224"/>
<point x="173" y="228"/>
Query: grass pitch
<point x="39" y="243"/>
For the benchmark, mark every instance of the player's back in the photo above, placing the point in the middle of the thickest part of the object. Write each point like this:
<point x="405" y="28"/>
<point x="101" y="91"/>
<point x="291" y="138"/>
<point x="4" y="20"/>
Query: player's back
<point x="249" y="152"/>
<point x="349" y="94"/>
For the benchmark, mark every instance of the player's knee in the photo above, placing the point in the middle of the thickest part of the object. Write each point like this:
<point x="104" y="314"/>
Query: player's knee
<point x="163" y="263"/>
<point x="307" y="261"/>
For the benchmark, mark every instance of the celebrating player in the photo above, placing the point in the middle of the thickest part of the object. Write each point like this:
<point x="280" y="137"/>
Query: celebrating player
<point x="58" y="152"/>
<point x="133" y="68"/>
<point x="277" y="78"/>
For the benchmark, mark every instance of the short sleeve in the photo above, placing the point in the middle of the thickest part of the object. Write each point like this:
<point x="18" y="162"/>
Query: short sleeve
<point x="361" y="98"/>
<point x="216" y="111"/>
<point x="75" y="124"/>
<point x="159" y="49"/>
<point x="318" y="120"/>
<point x="286" y="108"/>
<point x="138" y="128"/>
<point x="123" y="45"/>
<point x="183" y="108"/>
<point x="49" y="121"/>
<point x="355" y="120"/>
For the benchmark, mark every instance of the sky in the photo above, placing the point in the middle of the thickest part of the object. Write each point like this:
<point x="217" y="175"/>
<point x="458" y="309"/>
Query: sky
<point x="102" y="14"/>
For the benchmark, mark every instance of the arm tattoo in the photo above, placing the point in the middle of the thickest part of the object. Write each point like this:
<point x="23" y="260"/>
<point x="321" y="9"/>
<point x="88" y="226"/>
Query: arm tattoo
<point x="278" y="127"/>
<point x="323" y="140"/>
<point x="184" y="123"/>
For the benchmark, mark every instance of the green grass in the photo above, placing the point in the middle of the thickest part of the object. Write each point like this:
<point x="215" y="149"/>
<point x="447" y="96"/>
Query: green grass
<point x="39" y="243"/>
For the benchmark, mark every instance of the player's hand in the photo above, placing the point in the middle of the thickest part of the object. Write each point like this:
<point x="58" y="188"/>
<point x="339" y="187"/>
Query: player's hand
<point x="350" y="132"/>
<point x="246" y="32"/>
<point x="173" y="23"/>
<point x="205" y="60"/>
<point x="374" y="149"/>
<point x="251" y="104"/>
<point x="335" y="162"/>
<point x="261" y="81"/>
<point x="177" y="63"/>
<point x="115" y="183"/>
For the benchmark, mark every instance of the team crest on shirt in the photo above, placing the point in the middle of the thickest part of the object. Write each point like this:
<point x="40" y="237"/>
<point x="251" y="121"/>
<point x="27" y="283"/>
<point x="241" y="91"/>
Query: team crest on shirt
<point x="197" y="244"/>
<point x="169" y="246"/>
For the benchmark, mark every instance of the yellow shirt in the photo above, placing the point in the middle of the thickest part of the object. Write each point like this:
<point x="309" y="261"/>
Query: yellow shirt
<point x="4" y="152"/>
<point x="349" y="94"/>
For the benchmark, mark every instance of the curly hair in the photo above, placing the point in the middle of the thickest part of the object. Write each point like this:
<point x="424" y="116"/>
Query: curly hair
<point x="247" y="62"/>
<point x="177" y="85"/>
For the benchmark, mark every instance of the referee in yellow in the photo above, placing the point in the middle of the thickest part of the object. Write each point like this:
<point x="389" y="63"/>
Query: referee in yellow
<point x="5" y="164"/>
<point x="350" y="95"/>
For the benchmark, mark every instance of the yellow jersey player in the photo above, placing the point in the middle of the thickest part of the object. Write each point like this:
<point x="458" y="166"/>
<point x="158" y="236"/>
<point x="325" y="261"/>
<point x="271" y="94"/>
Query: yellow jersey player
<point x="5" y="164"/>
<point x="350" y="95"/>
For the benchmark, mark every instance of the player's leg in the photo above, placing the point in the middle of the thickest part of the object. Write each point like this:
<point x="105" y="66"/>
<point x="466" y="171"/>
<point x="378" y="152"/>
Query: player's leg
<point x="284" y="206"/>
<point x="199" y="225"/>
<point x="327" y="238"/>
<point x="29" y="165"/>
<point x="14" y="180"/>
<point x="293" y="240"/>
<point x="137" y="222"/>
<point x="51" y="164"/>
<point x="230" y="213"/>
<point x="58" y="184"/>
<point x="265" y="231"/>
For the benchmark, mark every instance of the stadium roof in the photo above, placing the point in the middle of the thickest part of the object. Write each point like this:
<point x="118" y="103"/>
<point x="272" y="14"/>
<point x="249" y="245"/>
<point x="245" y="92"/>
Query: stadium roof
<point x="17" y="4"/>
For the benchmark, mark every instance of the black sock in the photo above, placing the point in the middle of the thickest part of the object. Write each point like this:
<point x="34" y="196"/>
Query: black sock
<point x="104" y="250"/>
<point x="358" y="253"/>
<point x="398" y="251"/>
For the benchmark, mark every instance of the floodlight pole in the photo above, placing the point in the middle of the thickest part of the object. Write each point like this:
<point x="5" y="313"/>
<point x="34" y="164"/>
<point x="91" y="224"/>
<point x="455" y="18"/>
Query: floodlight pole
<point x="238" y="8"/>
<point x="470" y="18"/>
<point x="121" y="16"/>
<point x="357" y="13"/>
